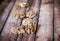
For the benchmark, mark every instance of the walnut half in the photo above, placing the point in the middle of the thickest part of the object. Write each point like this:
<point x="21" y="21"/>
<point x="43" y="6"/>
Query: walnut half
<point x="30" y="14"/>
<point x="19" y="15"/>
<point x="30" y="25"/>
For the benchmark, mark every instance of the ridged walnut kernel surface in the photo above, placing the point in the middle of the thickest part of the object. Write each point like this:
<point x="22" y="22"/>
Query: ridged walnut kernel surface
<point x="30" y="14"/>
<point x="30" y="25"/>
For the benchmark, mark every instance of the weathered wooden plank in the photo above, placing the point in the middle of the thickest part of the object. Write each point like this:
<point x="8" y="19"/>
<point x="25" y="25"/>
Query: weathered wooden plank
<point x="44" y="32"/>
<point x="5" y="38"/>
<point x="25" y="37"/>
<point x="3" y="19"/>
<point x="11" y="22"/>
<point x="46" y="2"/>
<point x="57" y="20"/>
<point x="13" y="37"/>
<point x="19" y="38"/>
<point x="31" y="37"/>
<point x="5" y="14"/>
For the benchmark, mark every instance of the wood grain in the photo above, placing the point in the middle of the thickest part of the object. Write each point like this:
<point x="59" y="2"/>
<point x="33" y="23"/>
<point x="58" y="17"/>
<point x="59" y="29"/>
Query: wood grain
<point x="19" y="38"/>
<point x="46" y="2"/>
<point x="57" y="20"/>
<point x="5" y="14"/>
<point x="11" y="21"/>
<point x="43" y="19"/>
<point x="44" y="32"/>
<point x="31" y="37"/>
<point x="25" y="37"/>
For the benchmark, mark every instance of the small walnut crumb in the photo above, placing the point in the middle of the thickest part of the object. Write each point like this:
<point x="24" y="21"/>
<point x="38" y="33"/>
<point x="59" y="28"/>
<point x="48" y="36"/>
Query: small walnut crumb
<point x="16" y="16"/>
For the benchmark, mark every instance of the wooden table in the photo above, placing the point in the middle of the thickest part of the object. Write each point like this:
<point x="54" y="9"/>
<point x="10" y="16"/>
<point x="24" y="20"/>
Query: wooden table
<point x="44" y="19"/>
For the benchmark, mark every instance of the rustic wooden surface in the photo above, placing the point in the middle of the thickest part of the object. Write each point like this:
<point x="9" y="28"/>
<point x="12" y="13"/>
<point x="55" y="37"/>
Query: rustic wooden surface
<point x="5" y="14"/>
<point x="57" y="20"/>
<point x="10" y="22"/>
<point x="44" y="32"/>
<point x="43" y="8"/>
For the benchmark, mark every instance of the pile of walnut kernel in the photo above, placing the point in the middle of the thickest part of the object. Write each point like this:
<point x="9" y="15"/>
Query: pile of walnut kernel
<point x="28" y="14"/>
<point x="28" y="25"/>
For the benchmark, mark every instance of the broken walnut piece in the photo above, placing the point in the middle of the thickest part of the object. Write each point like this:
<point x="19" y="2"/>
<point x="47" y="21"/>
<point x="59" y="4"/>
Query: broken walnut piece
<point x="27" y="21"/>
<point x="34" y="26"/>
<point x="14" y="29"/>
<point x="29" y="30"/>
<point x="17" y="29"/>
<point x="23" y="4"/>
<point x="19" y="15"/>
<point x="30" y="14"/>
<point x="21" y="30"/>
